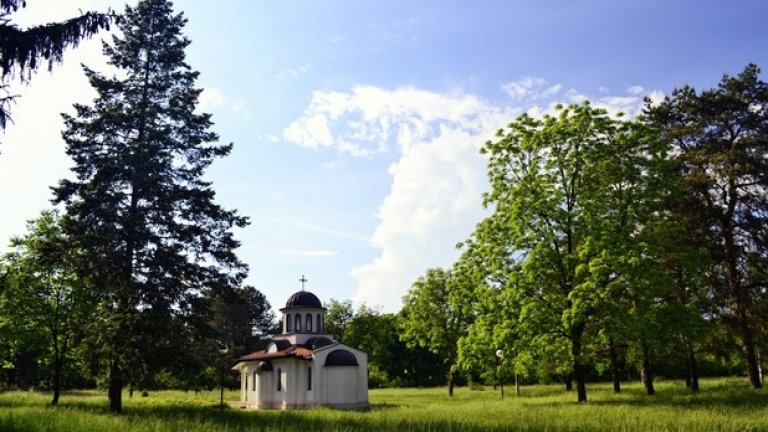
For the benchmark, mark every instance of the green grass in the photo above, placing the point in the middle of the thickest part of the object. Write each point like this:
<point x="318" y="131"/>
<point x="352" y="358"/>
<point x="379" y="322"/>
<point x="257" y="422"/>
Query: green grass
<point x="722" y="405"/>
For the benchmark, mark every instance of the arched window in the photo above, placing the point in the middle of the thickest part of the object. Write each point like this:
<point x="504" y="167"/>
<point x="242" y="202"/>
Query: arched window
<point x="254" y="380"/>
<point x="309" y="379"/>
<point x="319" y="323"/>
<point x="298" y="323"/>
<point x="308" y="327"/>
<point x="279" y="379"/>
<point x="288" y="323"/>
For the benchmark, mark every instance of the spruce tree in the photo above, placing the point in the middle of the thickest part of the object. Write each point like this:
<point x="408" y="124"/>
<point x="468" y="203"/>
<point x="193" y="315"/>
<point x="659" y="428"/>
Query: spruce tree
<point x="139" y="206"/>
<point x="22" y="51"/>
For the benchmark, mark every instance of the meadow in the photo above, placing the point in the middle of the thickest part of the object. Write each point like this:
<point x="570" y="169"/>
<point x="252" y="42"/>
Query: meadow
<point x="722" y="405"/>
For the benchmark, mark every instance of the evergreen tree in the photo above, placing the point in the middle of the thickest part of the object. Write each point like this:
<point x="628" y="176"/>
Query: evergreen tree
<point x="22" y="51"/>
<point x="720" y="138"/>
<point x="155" y="239"/>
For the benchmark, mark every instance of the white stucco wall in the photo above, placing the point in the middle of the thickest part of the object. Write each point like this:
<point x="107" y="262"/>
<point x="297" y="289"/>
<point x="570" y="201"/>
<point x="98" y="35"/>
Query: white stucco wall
<point x="337" y="386"/>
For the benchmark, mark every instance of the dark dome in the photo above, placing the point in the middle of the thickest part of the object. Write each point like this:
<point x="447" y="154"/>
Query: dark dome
<point x="303" y="299"/>
<point x="317" y="342"/>
<point x="341" y="357"/>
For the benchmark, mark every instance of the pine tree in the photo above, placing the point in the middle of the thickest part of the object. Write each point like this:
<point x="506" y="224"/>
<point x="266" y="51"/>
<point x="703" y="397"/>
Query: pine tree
<point x="720" y="138"/>
<point x="155" y="238"/>
<point x="22" y="51"/>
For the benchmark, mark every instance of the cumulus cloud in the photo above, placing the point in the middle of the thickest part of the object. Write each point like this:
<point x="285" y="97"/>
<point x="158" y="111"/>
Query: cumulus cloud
<point x="437" y="179"/>
<point x="438" y="175"/>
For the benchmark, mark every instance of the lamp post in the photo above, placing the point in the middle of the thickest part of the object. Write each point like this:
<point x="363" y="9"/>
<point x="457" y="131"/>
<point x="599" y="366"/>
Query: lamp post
<point x="499" y="358"/>
<point x="223" y="352"/>
<point x="517" y="385"/>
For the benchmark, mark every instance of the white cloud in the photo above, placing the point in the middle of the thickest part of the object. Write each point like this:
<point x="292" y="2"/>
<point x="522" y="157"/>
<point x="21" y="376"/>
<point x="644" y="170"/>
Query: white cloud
<point x="211" y="98"/>
<point x="656" y="97"/>
<point x="530" y="89"/>
<point x="635" y="90"/>
<point x="437" y="180"/>
<point x="438" y="177"/>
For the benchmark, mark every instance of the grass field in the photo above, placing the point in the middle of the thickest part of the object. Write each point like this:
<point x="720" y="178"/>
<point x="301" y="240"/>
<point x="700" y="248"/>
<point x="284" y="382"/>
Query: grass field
<point x="722" y="405"/>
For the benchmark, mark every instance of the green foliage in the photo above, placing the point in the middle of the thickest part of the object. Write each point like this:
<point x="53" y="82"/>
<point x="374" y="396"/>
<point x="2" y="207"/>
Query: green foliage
<point x="720" y="137"/>
<point x="569" y="194"/>
<point x="338" y="315"/>
<point x="44" y="300"/>
<point x="437" y="312"/>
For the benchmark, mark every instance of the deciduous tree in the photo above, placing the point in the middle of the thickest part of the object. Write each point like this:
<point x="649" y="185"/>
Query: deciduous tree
<point x="566" y="202"/>
<point x="43" y="291"/>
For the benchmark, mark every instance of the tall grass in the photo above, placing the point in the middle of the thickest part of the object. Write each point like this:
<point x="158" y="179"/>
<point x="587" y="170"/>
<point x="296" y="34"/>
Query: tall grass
<point x="722" y="405"/>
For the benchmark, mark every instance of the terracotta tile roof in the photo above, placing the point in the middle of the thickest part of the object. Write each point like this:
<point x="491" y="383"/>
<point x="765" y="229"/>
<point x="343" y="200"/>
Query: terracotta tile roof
<point x="292" y="351"/>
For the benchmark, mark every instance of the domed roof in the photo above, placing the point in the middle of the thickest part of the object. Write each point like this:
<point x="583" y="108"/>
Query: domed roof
<point x="303" y="299"/>
<point x="341" y="357"/>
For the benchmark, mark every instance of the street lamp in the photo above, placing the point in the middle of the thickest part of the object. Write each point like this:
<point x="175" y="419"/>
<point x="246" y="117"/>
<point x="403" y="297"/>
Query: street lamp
<point x="517" y="385"/>
<point x="499" y="357"/>
<point x="223" y="352"/>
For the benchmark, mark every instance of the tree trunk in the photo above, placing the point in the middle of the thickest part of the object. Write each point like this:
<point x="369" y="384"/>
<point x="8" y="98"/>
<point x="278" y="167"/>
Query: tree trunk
<point x="750" y="355"/>
<point x="646" y="374"/>
<point x="130" y="390"/>
<point x="451" y="383"/>
<point x="578" y="368"/>
<point x="569" y="383"/>
<point x="115" y="388"/>
<point x="692" y="377"/>
<point x="57" y="377"/>
<point x="615" y="367"/>
<point x="741" y="298"/>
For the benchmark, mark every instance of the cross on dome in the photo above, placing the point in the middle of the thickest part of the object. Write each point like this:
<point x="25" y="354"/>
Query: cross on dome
<point x="303" y="280"/>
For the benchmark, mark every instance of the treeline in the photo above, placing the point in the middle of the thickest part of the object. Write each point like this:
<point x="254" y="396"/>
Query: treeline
<point x="615" y="247"/>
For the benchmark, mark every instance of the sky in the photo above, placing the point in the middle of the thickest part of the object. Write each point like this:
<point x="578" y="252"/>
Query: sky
<point x="356" y="124"/>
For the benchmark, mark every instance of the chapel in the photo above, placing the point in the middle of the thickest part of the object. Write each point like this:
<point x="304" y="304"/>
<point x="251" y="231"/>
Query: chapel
<point x="304" y="366"/>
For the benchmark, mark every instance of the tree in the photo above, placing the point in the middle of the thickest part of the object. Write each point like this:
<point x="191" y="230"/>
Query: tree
<point x="566" y="206"/>
<point x="720" y="137"/>
<point x="23" y="51"/>
<point x="238" y="316"/>
<point x="436" y="315"/>
<point x="338" y="315"/>
<point x="154" y="237"/>
<point x="44" y="292"/>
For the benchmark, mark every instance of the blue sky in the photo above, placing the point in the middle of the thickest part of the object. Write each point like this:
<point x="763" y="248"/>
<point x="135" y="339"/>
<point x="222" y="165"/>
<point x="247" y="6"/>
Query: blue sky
<point x="356" y="124"/>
